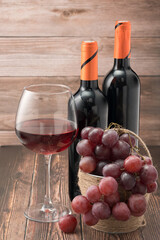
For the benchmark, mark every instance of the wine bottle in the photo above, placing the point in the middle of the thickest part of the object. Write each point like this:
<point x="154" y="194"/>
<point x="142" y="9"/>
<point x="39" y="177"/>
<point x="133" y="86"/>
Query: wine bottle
<point x="91" y="105"/>
<point x="121" y="85"/>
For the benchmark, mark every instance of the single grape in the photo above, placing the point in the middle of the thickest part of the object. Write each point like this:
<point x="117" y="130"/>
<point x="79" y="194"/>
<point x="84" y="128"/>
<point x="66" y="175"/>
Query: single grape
<point x="132" y="164"/>
<point x="120" y="150"/>
<point x="108" y="186"/>
<point x="85" y="131"/>
<point x="101" y="210"/>
<point x="130" y="139"/>
<point x="80" y="204"/>
<point x="138" y="214"/>
<point x="110" y="138"/>
<point x="148" y="174"/>
<point x="139" y="188"/>
<point x="102" y="152"/>
<point x="112" y="199"/>
<point x="152" y="187"/>
<point x="93" y="194"/>
<point x="95" y="135"/>
<point x="127" y="180"/>
<point x="112" y="170"/>
<point x="120" y="163"/>
<point x="121" y="211"/>
<point x="99" y="167"/>
<point x="85" y="148"/>
<point x="67" y="223"/>
<point x="147" y="160"/>
<point x="87" y="164"/>
<point x="89" y="219"/>
<point x="137" y="204"/>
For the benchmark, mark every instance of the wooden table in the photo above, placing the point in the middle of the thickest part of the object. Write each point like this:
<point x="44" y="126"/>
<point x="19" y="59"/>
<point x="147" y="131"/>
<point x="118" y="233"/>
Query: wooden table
<point x="22" y="184"/>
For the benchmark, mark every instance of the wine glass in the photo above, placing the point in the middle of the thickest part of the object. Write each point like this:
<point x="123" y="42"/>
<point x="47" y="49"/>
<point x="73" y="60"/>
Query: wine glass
<point x="46" y="124"/>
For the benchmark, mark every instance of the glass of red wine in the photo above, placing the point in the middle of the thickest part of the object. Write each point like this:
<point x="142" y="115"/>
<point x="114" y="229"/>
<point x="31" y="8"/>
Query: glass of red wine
<point x="46" y="123"/>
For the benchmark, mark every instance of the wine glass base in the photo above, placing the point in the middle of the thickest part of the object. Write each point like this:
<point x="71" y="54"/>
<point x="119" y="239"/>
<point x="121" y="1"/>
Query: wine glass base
<point x="39" y="214"/>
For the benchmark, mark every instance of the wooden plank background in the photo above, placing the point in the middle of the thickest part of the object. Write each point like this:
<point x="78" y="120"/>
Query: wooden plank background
<point x="40" y="42"/>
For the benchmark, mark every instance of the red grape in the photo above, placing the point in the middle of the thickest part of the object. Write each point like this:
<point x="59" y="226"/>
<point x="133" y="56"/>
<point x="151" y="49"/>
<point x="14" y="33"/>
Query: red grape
<point x="89" y="219"/>
<point x="112" y="170"/>
<point x="101" y="210"/>
<point x="102" y="152"/>
<point x="130" y="139"/>
<point x="99" y="167"/>
<point x="87" y="164"/>
<point x="127" y="180"/>
<point x="137" y="204"/>
<point x="148" y="174"/>
<point x="121" y="211"/>
<point x="147" y="160"/>
<point x="108" y="186"/>
<point x="110" y="137"/>
<point x="84" y="148"/>
<point x="93" y="194"/>
<point x="120" y="163"/>
<point x="95" y="135"/>
<point x="132" y="164"/>
<point x="67" y="223"/>
<point x="120" y="150"/>
<point x="152" y="187"/>
<point x="85" y="131"/>
<point x="112" y="199"/>
<point x="80" y="204"/>
<point x="139" y="188"/>
<point x="138" y="214"/>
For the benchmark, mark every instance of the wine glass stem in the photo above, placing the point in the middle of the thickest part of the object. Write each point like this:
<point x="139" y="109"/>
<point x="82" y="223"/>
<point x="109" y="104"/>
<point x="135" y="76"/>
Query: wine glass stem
<point x="47" y="198"/>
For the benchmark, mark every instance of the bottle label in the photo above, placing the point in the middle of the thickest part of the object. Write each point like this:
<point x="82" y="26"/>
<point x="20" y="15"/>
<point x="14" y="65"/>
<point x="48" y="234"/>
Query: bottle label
<point x="89" y="61"/>
<point x="122" y="46"/>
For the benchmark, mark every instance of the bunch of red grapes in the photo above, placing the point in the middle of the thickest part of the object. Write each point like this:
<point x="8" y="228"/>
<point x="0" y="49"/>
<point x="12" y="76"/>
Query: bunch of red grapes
<point x="113" y="156"/>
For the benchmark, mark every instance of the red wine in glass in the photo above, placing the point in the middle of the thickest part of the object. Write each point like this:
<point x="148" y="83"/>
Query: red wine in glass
<point x="46" y="136"/>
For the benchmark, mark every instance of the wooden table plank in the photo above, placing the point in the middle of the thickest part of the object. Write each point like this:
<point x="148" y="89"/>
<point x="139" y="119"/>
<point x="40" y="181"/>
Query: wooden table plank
<point x="16" y="167"/>
<point x="61" y="56"/>
<point x="59" y="193"/>
<point x="80" y="18"/>
<point x="90" y="234"/>
<point x="22" y="184"/>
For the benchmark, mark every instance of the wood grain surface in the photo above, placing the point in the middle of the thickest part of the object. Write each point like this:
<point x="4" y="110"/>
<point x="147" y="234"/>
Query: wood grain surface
<point x="15" y="187"/>
<point x="149" y="116"/>
<point x="22" y="184"/>
<point x="41" y="40"/>
<point x="61" y="56"/>
<point x="77" y="18"/>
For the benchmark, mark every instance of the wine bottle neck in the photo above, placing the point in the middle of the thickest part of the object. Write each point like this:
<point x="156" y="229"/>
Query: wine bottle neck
<point x="89" y="60"/>
<point x="89" y="84"/>
<point x="121" y="63"/>
<point x="122" y="44"/>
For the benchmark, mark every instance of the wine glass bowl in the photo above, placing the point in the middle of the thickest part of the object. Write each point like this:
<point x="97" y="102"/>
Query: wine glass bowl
<point x="46" y="124"/>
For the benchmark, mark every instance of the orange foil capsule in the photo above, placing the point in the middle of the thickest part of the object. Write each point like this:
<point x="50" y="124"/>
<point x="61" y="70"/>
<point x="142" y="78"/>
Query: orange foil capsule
<point x="89" y="60"/>
<point x="122" y="46"/>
